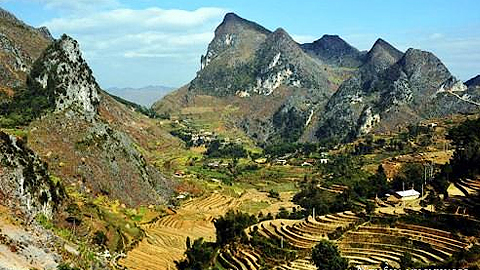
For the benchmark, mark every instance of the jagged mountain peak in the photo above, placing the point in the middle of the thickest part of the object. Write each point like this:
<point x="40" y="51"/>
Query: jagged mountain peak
<point x="328" y="41"/>
<point x="333" y="50"/>
<point x="416" y="61"/>
<point x="381" y="56"/>
<point x="381" y="46"/>
<point x="232" y="23"/>
<point x="281" y="37"/>
<point x="235" y="37"/>
<point x="63" y="75"/>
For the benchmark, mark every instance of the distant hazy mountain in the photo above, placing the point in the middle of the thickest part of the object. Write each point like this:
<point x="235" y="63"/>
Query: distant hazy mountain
<point x="144" y="96"/>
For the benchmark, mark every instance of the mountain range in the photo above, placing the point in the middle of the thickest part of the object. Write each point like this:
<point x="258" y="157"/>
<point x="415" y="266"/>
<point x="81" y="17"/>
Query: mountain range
<point x="323" y="91"/>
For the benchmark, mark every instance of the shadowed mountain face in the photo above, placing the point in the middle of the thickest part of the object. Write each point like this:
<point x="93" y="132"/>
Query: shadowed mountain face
<point x="285" y="91"/>
<point x="473" y="82"/>
<point x="333" y="50"/>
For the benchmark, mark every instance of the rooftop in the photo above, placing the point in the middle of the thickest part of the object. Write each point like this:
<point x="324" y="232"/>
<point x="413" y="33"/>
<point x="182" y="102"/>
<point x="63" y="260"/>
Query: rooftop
<point x="408" y="193"/>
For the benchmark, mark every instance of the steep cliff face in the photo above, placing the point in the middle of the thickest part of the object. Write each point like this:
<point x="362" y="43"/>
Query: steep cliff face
<point x="227" y="66"/>
<point x="63" y="74"/>
<point x="88" y="150"/>
<point x="25" y="184"/>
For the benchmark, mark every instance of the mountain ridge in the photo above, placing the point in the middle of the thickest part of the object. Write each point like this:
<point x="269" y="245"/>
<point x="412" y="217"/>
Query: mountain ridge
<point x="328" y="87"/>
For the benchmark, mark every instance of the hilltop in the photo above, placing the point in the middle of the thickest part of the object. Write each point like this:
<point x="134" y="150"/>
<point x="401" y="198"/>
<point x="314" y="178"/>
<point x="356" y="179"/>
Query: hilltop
<point x="286" y="92"/>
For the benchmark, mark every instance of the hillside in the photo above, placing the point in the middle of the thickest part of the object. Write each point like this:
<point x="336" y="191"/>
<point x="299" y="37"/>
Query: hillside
<point x="20" y="46"/>
<point x="392" y="90"/>
<point x="265" y="73"/>
<point x="325" y="91"/>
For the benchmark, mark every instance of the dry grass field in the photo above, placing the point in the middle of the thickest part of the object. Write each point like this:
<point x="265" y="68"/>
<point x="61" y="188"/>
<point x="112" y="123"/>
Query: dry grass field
<point x="165" y="240"/>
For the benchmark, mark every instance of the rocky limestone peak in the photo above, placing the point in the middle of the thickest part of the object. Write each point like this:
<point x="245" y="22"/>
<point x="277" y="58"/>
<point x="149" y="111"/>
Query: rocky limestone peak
<point x="333" y="50"/>
<point x="332" y="43"/>
<point x="281" y="61"/>
<point x="63" y="73"/>
<point x="233" y="23"/>
<point x="236" y="35"/>
<point x="473" y="82"/>
<point x="381" y="56"/>
<point x="416" y="62"/>
<point x="25" y="184"/>
<point x="281" y="40"/>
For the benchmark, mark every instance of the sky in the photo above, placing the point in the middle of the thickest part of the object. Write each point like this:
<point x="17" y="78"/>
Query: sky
<point x="135" y="43"/>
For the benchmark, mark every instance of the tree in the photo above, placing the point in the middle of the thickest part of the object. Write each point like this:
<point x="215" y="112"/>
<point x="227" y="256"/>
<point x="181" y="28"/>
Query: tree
<point x="411" y="174"/>
<point x="370" y="207"/>
<point x="326" y="256"/>
<point x="232" y="226"/>
<point x="406" y="261"/>
<point x="466" y="139"/>
<point x="198" y="256"/>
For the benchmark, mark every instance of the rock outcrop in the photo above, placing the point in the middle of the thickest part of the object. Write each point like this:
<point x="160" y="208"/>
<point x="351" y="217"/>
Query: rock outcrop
<point x="65" y="76"/>
<point x="25" y="184"/>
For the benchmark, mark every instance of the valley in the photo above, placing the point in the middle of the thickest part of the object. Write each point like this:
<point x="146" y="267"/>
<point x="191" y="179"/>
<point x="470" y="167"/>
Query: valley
<point x="276" y="155"/>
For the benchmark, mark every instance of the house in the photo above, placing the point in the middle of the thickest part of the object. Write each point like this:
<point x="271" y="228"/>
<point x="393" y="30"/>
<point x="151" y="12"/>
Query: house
<point x="406" y="195"/>
<point x="323" y="160"/>
<point x="281" y="162"/>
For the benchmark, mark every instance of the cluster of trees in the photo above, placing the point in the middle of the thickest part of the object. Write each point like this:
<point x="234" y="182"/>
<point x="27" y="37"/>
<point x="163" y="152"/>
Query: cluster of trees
<point x="466" y="140"/>
<point x="325" y="256"/>
<point x="229" y="229"/>
<point x="324" y="202"/>
<point x="217" y="149"/>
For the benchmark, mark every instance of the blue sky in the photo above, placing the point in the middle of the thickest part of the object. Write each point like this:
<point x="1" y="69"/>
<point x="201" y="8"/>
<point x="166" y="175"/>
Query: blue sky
<point x="156" y="42"/>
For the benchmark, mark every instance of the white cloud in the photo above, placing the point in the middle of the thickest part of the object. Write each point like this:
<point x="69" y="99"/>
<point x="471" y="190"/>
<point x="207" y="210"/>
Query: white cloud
<point x="114" y="37"/>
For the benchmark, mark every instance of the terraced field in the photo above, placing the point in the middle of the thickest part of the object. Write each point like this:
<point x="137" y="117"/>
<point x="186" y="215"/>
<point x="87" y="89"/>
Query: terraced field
<point x="468" y="186"/>
<point x="363" y="244"/>
<point x="165" y="240"/>
<point x="305" y="234"/>
<point x="370" y="245"/>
